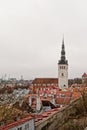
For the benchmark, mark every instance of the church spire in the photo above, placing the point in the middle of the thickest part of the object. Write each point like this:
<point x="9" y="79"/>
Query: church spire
<point x="63" y="49"/>
<point x="63" y="69"/>
<point x="63" y="57"/>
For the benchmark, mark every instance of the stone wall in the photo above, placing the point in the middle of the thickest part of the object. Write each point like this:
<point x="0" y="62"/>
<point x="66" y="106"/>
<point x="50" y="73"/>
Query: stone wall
<point x="54" y="121"/>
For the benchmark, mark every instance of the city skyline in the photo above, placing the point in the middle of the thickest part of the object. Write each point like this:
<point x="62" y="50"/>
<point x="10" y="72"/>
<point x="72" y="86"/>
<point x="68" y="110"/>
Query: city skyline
<point x="31" y="35"/>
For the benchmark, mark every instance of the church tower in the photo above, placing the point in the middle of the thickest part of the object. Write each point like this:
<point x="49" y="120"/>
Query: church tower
<point x="63" y="69"/>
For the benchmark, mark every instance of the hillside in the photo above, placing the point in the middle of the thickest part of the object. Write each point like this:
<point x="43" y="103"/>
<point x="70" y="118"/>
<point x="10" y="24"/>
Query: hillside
<point x="77" y="120"/>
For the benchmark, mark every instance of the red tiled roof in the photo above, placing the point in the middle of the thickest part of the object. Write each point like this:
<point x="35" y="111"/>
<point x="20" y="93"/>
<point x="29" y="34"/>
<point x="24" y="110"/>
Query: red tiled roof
<point x="63" y="100"/>
<point x="45" y="81"/>
<point x="66" y="93"/>
<point x="16" y="123"/>
<point x="45" y="114"/>
<point x="46" y="99"/>
<point x="76" y="95"/>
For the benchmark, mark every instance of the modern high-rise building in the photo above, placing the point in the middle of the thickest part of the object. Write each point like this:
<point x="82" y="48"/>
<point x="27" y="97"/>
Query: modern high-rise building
<point x="63" y="69"/>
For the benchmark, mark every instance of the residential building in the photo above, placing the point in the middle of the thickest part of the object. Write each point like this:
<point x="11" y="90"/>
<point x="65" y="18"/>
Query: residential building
<point x="26" y="123"/>
<point x="45" y="82"/>
<point x="84" y="78"/>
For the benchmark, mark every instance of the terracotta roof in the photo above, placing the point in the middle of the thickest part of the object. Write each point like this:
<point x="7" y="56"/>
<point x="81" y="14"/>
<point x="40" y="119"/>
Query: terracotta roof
<point x="63" y="100"/>
<point x="16" y="123"/>
<point x="45" y="114"/>
<point x="66" y="93"/>
<point x="76" y="95"/>
<point x="45" y="81"/>
<point x="46" y="98"/>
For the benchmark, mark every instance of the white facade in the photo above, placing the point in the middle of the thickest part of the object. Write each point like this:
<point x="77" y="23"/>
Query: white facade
<point x="29" y="125"/>
<point x="63" y="76"/>
<point x="39" y="104"/>
<point x="63" y="69"/>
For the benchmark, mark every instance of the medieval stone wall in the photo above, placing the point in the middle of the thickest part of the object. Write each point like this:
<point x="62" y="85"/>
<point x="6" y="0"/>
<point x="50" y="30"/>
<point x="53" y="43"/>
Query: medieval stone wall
<point x="56" y="120"/>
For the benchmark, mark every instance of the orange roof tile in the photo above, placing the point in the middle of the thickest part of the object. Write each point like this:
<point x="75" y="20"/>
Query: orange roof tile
<point x="45" y="81"/>
<point x="16" y="123"/>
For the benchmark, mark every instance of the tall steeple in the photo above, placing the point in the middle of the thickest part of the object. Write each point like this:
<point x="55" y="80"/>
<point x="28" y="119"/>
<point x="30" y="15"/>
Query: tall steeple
<point x="63" y="57"/>
<point x="63" y="69"/>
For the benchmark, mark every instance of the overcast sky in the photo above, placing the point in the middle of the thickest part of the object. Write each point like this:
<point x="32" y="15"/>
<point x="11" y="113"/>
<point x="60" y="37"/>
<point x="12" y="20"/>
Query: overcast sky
<point x="31" y="33"/>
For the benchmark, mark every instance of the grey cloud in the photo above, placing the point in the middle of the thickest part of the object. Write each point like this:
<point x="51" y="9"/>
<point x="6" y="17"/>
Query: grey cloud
<point x="31" y="34"/>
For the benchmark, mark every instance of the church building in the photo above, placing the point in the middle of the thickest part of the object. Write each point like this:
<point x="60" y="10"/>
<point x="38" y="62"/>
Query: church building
<point x="62" y="81"/>
<point x="63" y="69"/>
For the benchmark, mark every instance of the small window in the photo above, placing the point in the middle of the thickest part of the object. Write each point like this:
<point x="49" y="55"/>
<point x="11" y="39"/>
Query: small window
<point x="27" y="127"/>
<point x="62" y="95"/>
<point x="20" y="128"/>
<point x="62" y="74"/>
<point x="64" y="85"/>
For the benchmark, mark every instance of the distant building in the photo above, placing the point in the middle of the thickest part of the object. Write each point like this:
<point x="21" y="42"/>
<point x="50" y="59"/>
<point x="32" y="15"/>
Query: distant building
<point x="84" y="78"/>
<point x="21" y="124"/>
<point x="35" y="102"/>
<point x="45" y="82"/>
<point x="63" y="69"/>
<point x="62" y="80"/>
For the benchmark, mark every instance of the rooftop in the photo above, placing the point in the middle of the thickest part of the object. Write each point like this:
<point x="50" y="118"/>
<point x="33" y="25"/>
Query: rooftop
<point x="16" y="123"/>
<point x="45" y="81"/>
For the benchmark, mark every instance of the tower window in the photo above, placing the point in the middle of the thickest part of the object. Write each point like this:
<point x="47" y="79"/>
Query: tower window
<point x="62" y="74"/>
<point x="64" y="85"/>
<point x="60" y="67"/>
